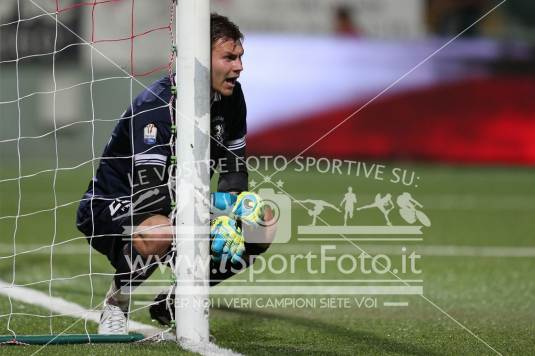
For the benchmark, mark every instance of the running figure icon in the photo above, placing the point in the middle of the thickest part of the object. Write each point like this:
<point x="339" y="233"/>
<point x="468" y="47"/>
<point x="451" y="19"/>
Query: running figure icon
<point x="350" y="199"/>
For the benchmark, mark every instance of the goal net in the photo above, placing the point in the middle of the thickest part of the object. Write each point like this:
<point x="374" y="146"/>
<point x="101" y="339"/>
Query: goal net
<point x="68" y="70"/>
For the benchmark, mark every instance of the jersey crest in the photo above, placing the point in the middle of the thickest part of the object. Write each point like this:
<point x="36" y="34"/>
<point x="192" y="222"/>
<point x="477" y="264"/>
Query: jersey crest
<point x="218" y="128"/>
<point x="149" y="134"/>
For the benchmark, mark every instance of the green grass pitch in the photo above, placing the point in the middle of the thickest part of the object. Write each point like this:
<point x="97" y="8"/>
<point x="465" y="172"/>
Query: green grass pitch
<point x="492" y="296"/>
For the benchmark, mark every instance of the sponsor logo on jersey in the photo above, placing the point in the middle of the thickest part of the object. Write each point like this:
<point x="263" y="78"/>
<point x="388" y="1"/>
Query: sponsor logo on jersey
<point x="118" y="205"/>
<point x="149" y="134"/>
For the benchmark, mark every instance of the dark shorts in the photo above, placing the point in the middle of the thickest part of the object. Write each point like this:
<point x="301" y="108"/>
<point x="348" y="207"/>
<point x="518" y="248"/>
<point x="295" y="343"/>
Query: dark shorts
<point x="106" y="224"/>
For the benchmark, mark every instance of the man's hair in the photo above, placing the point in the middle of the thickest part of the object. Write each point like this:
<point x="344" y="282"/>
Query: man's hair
<point x="222" y="27"/>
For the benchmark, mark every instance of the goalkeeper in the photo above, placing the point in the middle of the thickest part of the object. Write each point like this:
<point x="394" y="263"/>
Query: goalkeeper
<point x="129" y="189"/>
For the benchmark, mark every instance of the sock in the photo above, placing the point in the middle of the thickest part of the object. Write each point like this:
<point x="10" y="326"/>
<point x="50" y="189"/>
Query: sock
<point x="115" y="297"/>
<point x="127" y="280"/>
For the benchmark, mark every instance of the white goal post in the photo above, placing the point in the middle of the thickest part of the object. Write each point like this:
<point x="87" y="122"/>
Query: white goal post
<point x="193" y="170"/>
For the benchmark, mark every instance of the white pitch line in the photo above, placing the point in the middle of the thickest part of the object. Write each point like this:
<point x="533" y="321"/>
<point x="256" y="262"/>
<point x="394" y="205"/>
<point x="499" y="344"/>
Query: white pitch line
<point x="61" y="306"/>
<point x="295" y="248"/>
<point x="64" y="307"/>
<point x="476" y="251"/>
<point x="424" y="250"/>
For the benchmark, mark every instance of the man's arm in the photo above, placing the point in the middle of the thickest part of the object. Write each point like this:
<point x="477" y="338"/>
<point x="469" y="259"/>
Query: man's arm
<point x="233" y="176"/>
<point x="151" y="136"/>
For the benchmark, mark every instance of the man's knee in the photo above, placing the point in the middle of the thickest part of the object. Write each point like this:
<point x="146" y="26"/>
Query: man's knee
<point x="153" y="236"/>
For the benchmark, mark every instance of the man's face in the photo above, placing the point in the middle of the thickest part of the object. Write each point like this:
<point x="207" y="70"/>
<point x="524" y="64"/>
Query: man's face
<point x="226" y="65"/>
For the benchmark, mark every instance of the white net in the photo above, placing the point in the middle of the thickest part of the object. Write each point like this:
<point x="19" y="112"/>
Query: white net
<point x="69" y="70"/>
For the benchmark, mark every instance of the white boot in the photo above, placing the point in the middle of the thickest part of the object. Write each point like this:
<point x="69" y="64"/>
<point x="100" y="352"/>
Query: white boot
<point x="113" y="321"/>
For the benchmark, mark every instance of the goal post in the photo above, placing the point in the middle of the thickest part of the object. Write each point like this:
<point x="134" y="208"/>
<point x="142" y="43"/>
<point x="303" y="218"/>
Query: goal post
<point x="193" y="170"/>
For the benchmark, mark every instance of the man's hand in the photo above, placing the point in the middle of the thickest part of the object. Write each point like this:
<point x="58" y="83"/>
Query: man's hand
<point x="227" y="239"/>
<point x="249" y="208"/>
<point x="222" y="203"/>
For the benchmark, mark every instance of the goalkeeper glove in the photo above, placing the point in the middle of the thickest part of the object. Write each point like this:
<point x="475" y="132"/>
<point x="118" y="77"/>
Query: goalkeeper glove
<point x="223" y="202"/>
<point x="227" y="239"/>
<point x="249" y="208"/>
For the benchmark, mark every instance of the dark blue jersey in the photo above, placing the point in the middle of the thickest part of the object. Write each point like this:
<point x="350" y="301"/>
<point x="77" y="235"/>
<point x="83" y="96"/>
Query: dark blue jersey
<point x="141" y="143"/>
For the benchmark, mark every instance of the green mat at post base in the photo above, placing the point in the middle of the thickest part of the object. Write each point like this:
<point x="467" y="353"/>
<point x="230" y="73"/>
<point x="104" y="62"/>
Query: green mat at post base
<point x="69" y="339"/>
